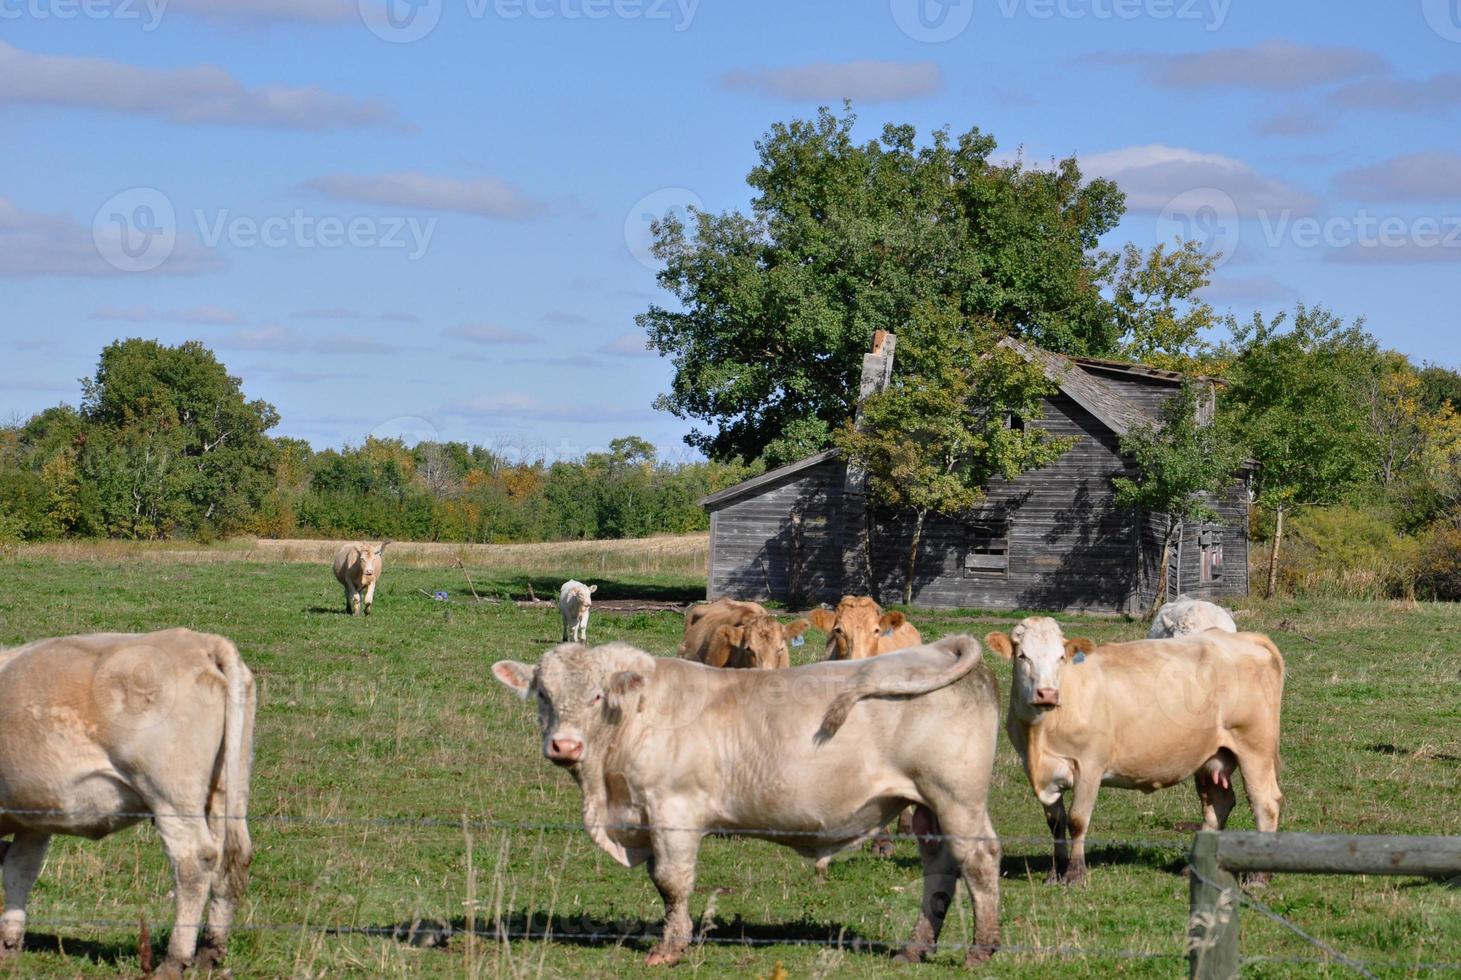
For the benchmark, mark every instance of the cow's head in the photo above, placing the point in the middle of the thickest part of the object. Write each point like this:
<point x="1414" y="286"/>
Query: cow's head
<point x="761" y="643"/>
<point x="583" y="696"/>
<point x="1039" y="650"/>
<point x="370" y="562"/>
<point x="854" y="629"/>
<point x="585" y="595"/>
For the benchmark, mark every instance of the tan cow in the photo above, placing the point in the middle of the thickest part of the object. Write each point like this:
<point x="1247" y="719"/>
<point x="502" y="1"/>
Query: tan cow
<point x="859" y="628"/>
<point x="732" y="633"/>
<point x="1142" y="715"/>
<point x="816" y="758"/>
<point x="103" y="731"/>
<point x="358" y="567"/>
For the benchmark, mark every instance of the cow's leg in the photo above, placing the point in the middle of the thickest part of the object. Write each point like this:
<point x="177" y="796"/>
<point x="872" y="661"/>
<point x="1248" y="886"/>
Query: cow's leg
<point x="23" y="860"/>
<point x="1215" y="789"/>
<point x="567" y="629"/>
<point x="1082" y="804"/>
<point x="1260" y="781"/>
<point x="1059" y="826"/>
<point x="228" y="880"/>
<point x="369" y="597"/>
<point x="672" y="869"/>
<point x="940" y="882"/>
<point x="194" y="854"/>
<point x="976" y="850"/>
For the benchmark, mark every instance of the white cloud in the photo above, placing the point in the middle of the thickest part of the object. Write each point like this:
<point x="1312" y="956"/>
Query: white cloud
<point x="1294" y="123"/>
<point x="341" y="313"/>
<point x="281" y="340"/>
<point x="188" y="96"/>
<point x="1269" y="66"/>
<point x="484" y="196"/>
<point x="1154" y="175"/>
<point x="1244" y="290"/>
<point x="1439" y="93"/>
<point x="207" y="315"/>
<point x="33" y="244"/>
<point x="523" y="406"/>
<point x="489" y="333"/>
<point x="865" y="82"/>
<point x="631" y="344"/>
<point x="1434" y="176"/>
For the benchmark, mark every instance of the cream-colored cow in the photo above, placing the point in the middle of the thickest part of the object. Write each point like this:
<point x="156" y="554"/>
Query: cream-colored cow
<point x="859" y="628"/>
<point x="732" y="633"/>
<point x="1185" y="615"/>
<point x="100" y="732"/>
<point x="358" y="568"/>
<point x="1142" y="715"/>
<point x="815" y="758"/>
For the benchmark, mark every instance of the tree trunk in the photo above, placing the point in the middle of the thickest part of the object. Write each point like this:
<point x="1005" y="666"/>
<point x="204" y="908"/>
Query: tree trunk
<point x="1161" y="590"/>
<point x="1273" y="557"/>
<point x="913" y="558"/>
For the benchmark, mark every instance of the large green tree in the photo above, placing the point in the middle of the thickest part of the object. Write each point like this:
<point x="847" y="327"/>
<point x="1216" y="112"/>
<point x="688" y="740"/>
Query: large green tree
<point x="777" y="307"/>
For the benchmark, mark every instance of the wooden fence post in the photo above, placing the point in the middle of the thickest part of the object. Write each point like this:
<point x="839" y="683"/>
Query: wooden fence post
<point x="1212" y="928"/>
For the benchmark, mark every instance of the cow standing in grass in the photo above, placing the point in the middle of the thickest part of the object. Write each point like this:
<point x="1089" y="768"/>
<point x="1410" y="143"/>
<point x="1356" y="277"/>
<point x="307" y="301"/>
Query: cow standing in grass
<point x="858" y="628"/>
<point x="733" y="633"/>
<point x="357" y="568"/>
<point x="574" y="601"/>
<point x="97" y="733"/>
<point x="816" y="758"/>
<point x="1142" y="715"/>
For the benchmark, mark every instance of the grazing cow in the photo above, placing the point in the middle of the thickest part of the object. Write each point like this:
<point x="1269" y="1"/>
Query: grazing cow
<point x="732" y="633"/>
<point x="574" y="601"/>
<point x="859" y="629"/>
<point x="1142" y="715"/>
<point x="1185" y="615"/>
<point x="816" y="758"/>
<point x="99" y="732"/>
<point x="357" y="567"/>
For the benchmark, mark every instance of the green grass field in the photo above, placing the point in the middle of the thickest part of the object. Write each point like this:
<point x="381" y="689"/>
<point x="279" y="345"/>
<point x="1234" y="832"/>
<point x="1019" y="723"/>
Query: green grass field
<point x="378" y="737"/>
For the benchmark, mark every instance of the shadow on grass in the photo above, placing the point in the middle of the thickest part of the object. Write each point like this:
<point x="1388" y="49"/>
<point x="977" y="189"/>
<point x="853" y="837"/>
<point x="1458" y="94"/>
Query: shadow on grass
<point x="682" y="593"/>
<point x="111" y="954"/>
<point x="1039" y="865"/>
<point x="1386" y="748"/>
<point x="594" y="931"/>
<point x="326" y="611"/>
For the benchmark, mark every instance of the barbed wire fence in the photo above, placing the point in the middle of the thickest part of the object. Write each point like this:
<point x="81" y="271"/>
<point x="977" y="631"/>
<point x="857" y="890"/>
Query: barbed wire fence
<point x="499" y="927"/>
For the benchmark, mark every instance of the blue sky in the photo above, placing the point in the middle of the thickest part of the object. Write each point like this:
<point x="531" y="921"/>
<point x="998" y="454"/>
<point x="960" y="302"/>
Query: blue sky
<point x="429" y="219"/>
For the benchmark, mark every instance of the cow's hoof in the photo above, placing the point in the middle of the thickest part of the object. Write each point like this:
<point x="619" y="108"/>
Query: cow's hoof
<point x="210" y="957"/>
<point x="665" y="956"/>
<point x="1076" y="876"/>
<point x="978" y="956"/>
<point x="882" y="848"/>
<point x="910" y="954"/>
<point x="171" y="969"/>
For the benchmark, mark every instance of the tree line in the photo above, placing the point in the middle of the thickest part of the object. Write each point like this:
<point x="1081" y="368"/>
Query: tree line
<point x="165" y="444"/>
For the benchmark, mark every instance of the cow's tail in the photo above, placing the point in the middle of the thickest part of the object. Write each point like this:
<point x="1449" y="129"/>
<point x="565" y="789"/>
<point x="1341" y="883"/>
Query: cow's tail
<point x="874" y="681"/>
<point x="1265" y="641"/>
<point x="238" y="762"/>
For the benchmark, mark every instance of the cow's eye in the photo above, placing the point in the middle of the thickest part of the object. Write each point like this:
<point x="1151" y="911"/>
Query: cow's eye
<point x="596" y="698"/>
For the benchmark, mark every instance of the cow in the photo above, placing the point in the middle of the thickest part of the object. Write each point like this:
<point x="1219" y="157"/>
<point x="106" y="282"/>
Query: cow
<point x="102" y="731"/>
<point x="1143" y="715"/>
<point x="732" y="633"/>
<point x="817" y="758"/>
<point x="574" y="601"/>
<point x="357" y="568"/>
<point x="859" y="628"/>
<point x="1185" y="615"/>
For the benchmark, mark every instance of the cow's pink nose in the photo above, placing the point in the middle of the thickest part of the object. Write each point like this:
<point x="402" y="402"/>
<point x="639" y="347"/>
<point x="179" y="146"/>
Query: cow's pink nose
<point x="1047" y="696"/>
<point x="565" y="751"/>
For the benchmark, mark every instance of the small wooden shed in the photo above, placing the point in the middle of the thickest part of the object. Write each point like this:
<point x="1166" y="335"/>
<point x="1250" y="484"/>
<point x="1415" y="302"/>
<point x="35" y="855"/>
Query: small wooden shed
<point x="1051" y="539"/>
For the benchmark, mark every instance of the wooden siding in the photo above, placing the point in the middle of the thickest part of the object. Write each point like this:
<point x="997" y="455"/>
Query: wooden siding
<point x="1233" y="524"/>
<point x="783" y="543"/>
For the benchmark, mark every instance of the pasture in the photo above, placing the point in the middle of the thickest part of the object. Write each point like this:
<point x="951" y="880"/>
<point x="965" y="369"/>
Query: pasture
<point x="396" y="783"/>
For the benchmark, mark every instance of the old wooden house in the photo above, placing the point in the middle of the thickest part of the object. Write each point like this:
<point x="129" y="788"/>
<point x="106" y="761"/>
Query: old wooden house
<point x="1051" y="539"/>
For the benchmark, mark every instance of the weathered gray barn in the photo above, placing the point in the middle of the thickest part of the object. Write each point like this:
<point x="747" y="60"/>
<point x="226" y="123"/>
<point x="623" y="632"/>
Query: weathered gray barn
<point x="1051" y="539"/>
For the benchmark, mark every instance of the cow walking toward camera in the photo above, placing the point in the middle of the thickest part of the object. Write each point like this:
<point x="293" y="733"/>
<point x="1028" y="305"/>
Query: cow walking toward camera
<point x="816" y="758"/>
<point x="1142" y="715"/>
<point x="357" y="568"/>
<point x="574" y="601"/>
<point x="99" y="732"/>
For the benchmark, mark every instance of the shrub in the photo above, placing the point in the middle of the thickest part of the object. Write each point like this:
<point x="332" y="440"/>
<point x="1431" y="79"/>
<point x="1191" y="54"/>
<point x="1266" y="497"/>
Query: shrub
<point x="1347" y="551"/>
<point x="1437" y="573"/>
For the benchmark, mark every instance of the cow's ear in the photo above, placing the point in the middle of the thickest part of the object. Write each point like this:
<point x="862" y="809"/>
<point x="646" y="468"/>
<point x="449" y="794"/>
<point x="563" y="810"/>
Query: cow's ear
<point x="1079" y="644"/>
<point x="891" y="621"/>
<point x="822" y="619"/>
<point x="621" y="685"/>
<point x="592" y="589"/>
<point x="382" y="549"/>
<point x="517" y="676"/>
<point x="792" y="630"/>
<point x="1001" y="644"/>
<point x="734" y="635"/>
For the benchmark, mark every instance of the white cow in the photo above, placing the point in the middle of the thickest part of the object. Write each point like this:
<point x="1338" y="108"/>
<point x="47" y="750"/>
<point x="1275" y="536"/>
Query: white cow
<point x="100" y="732"/>
<point x="358" y="567"/>
<point x="574" y="601"/>
<point x="1185" y="615"/>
